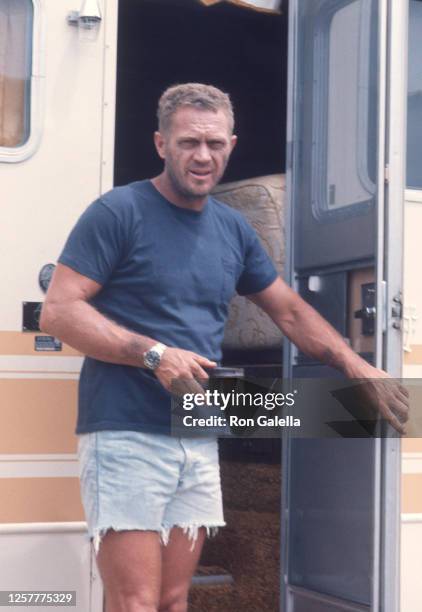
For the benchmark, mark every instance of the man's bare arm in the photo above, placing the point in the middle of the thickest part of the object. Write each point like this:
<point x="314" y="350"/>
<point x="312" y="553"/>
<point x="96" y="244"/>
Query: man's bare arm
<point x="313" y="335"/>
<point x="68" y="315"/>
<point x="305" y="327"/>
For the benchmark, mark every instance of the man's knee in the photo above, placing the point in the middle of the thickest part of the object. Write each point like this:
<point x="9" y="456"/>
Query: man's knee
<point x="130" y="598"/>
<point x="175" y="600"/>
<point x="130" y="602"/>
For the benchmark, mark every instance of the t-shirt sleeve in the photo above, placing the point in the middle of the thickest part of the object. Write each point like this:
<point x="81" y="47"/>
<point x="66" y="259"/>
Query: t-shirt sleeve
<point x="95" y="244"/>
<point x="259" y="271"/>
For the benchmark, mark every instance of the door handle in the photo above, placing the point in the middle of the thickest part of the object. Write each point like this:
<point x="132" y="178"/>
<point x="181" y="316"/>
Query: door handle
<point x="367" y="314"/>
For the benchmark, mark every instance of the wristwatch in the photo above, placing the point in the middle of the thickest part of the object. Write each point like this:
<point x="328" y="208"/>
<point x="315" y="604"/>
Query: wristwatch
<point x="152" y="357"/>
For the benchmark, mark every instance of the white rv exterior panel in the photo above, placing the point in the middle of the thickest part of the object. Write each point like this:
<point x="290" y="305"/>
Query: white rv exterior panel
<point x="43" y="196"/>
<point x="56" y="557"/>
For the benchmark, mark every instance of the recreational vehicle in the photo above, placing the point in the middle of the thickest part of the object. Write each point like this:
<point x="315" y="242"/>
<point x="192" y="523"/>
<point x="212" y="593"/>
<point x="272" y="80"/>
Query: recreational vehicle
<point x="321" y="95"/>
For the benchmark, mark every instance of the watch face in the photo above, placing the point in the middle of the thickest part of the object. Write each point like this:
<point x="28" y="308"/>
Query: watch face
<point x="45" y="275"/>
<point x="152" y="359"/>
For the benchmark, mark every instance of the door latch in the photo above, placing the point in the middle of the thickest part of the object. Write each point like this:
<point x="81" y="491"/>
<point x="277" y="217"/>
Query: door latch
<point x="368" y="311"/>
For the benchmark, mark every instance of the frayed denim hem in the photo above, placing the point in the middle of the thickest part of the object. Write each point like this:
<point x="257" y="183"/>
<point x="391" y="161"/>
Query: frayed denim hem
<point x="191" y="529"/>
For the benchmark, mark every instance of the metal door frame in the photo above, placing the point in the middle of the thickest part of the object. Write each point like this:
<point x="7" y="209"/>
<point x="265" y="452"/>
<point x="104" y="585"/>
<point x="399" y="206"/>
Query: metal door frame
<point x="391" y="267"/>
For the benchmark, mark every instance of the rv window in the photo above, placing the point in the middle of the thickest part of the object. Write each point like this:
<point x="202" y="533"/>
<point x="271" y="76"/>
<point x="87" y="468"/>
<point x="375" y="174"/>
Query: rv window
<point x="344" y="108"/>
<point x="16" y="18"/>
<point x="414" y="100"/>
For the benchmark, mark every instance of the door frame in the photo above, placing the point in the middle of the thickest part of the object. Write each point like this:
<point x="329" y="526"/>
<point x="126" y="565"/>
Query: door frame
<point x="391" y="267"/>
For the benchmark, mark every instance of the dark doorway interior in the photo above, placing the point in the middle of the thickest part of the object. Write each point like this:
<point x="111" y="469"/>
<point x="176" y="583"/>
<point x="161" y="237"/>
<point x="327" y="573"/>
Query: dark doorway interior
<point x="244" y="52"/>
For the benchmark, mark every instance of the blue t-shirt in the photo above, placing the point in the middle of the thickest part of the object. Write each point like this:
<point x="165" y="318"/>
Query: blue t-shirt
<point x="168" y="273"/>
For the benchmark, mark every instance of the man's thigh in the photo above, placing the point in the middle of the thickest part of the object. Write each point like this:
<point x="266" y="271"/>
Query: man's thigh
<point x="130" y="566"/>
<point x="138" y="570"/>
<point x="179" y="560"/>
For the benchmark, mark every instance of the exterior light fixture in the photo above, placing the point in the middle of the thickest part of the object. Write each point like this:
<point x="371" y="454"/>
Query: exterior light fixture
<point x="88" y="20"/>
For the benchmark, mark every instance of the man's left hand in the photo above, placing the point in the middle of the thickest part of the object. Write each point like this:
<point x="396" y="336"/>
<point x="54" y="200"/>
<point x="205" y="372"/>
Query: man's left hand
<point x="384" y="394"/>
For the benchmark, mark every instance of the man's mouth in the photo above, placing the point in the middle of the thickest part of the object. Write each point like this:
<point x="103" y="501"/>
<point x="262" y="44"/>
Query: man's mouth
<point x="201" y="174"/>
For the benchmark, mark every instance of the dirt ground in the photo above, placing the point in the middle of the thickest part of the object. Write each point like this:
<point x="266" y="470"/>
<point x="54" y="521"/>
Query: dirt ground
<point x="248" y="548"/>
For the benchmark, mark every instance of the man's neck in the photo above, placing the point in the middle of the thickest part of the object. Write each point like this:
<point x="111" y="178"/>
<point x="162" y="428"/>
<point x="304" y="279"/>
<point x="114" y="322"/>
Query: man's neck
<point x="163" y="184"/>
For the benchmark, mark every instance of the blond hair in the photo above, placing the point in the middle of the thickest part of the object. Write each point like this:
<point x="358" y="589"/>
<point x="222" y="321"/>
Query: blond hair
<point x="197" y="95"/>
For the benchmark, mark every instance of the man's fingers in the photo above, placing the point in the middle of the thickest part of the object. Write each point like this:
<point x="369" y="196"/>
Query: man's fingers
<point x="402" y="394"/>
<point x="401" y="407"/>
<point x="393" y="420"/>
<point x="398" y="426"/>
<point x="385" y="397"/>
<point x="176" y="387"/>
<point x="199" y="372"/>
<point x="398" y="402"/>
<point x="193" y="386"/>
<point x="393" y="386"/>
<point x="180" y="386"/>
<point x="196" y="373"/>
<point x="403" y="390"/>
<point x="389" y="415"/>
<point x="203" y="361"/>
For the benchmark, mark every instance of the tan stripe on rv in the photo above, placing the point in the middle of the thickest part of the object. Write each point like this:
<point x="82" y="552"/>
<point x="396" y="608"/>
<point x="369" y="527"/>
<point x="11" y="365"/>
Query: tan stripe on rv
<point x="414" y="357"/>
<point x="22" y="343"/>
<point x="412" y="493"/>
<point x="411" y="445"/>
<point x="40" y="500"/>
<point x="38" y="416"/>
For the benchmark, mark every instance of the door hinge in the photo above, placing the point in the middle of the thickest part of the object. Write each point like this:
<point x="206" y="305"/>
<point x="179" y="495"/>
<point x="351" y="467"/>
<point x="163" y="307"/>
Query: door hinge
<point x="387" y="174"/>
<point x="397" y="310"/>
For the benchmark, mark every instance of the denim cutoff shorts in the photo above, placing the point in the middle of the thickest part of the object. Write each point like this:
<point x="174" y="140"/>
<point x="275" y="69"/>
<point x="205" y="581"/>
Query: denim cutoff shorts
<point x="147" y="481"/>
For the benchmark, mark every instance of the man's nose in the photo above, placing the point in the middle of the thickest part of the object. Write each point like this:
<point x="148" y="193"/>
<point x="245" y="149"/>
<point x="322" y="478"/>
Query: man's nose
<point x="202" y="153"/>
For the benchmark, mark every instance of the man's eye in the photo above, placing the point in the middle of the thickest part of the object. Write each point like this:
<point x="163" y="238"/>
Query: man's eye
<point x="216" y="144"/>
<point x="187" y="144"/>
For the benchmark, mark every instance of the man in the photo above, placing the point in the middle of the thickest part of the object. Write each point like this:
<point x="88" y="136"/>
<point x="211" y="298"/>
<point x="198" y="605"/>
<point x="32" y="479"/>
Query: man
<point x="142" y="288"/>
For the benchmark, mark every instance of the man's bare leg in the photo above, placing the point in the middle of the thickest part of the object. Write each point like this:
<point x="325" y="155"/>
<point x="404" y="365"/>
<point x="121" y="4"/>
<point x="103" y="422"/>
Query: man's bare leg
<point x="130" y="566"/>
<point x="179" y="562"/>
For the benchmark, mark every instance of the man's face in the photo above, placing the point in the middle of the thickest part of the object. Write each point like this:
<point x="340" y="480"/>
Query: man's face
<point x="195" y="149"/>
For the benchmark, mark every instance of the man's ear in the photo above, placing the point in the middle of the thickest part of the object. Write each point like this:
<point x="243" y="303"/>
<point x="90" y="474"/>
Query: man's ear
<point x="233" y="141"/>
<point x="160" y="144"/>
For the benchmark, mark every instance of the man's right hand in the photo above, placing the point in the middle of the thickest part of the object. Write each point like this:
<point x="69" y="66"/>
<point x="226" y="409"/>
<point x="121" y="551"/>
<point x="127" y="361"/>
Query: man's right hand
<point x="179" y="371"/>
